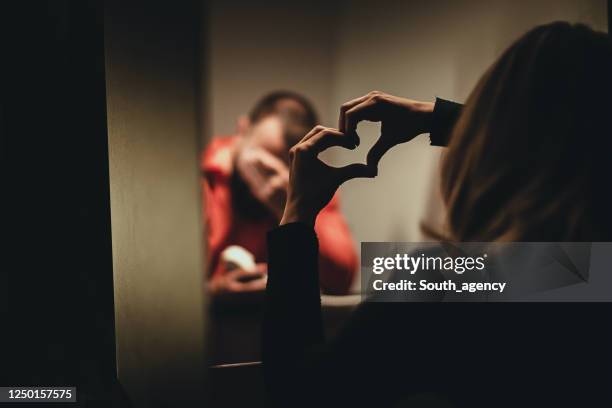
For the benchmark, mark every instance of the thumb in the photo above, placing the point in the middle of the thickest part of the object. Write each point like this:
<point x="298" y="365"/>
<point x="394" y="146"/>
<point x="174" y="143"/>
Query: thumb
<point x="354" y="171"/>
<point x="377" y="151"/>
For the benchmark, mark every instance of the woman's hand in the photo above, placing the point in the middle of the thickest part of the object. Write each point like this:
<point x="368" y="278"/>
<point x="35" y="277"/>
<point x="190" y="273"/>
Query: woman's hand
<point x="312" y="183"/>
<point x="402" y="120"/>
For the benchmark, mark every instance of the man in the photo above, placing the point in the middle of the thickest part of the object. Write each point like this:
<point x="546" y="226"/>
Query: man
<point x="245" y="180"/>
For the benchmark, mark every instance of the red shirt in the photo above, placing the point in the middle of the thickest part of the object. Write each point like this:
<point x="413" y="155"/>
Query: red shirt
<point x="337" y="257"/>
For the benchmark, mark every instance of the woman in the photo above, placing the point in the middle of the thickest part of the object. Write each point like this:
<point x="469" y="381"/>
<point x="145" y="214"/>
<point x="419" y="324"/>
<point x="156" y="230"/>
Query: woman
<point x="526" y="161"/>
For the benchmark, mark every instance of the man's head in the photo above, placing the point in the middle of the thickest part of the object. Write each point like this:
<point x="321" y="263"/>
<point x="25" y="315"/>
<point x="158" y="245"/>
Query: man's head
<point x="278" y="121"/>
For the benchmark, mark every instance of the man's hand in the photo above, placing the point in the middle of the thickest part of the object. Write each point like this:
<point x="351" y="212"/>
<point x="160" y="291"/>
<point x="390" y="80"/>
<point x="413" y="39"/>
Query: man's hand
<point x="239" y="281"/>
<point x="267" y="177"/>
<point x="402" y="120"/>
<point x="312" y="183"/>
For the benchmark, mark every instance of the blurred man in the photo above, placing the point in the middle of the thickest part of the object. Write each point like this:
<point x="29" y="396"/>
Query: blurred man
<point x="245" y="180"/>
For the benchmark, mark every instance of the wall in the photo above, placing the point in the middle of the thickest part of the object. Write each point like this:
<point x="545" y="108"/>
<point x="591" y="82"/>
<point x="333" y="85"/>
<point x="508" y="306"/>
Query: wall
<point x="422" y="50"/>
<point x="411" y="48"/>
<point x="153" y="80"/>
<point x="257" y="47"/>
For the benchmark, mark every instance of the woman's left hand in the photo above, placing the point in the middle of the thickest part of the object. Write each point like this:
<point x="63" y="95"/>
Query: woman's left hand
<point x="312" y="183"/>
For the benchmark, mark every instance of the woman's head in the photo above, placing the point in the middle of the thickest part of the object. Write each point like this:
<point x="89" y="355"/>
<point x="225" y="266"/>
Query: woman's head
<point x="530" y="156"/>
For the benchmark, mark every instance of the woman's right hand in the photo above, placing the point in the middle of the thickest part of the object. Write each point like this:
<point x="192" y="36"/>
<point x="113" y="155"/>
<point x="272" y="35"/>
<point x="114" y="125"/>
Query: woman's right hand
<point x="402" y="120"/>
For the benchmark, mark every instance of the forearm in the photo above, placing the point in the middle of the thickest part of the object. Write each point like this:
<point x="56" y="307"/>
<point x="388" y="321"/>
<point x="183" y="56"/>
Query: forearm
<point x="301" y="367"/>
<point x="292" y="322"/>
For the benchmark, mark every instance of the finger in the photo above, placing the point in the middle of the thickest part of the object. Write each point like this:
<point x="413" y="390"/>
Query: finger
<point x="345" y="107"/>
<point x="355" y="170"/>
<point x="256" y="284"/>
<point x="256" y="178"/>
<point x="378" y="151"/>
<point x="315" y="130"/>
<point x="236" y="275"/>
<point x="250" y="167"/>
<point x="328" y="138"/>
<point x="249" y="286"/>
<point x="318" y="129"/>
<point x="366" y="110"/>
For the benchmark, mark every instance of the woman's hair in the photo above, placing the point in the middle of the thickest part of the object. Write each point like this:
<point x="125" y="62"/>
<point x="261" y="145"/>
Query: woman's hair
<point x="530" y="156"/>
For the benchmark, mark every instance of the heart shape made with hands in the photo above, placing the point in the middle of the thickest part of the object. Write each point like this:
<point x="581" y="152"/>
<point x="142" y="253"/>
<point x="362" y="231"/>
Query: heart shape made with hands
<point x="401" y="120"/>
<point x="369" y="135"/>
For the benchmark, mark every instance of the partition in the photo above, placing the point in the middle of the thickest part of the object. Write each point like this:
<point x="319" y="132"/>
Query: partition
<point x="153" y="70"/>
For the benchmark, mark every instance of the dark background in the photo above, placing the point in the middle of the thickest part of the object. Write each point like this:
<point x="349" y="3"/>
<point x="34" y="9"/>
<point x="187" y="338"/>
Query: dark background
<point x="57" y="259"/>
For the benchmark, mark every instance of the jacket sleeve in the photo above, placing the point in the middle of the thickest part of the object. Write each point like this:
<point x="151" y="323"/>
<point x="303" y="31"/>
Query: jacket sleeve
<point x="445" y="116"/>
<point x="292" y="322"/>
<point x="301" y="367"/>
<point x="337" y="255"/>
<point x="217" y="222"/>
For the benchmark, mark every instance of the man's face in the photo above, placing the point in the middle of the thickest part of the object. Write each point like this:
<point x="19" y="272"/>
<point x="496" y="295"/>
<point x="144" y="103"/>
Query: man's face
<point x="261" y="173"/>
<point x="266" y="135"/>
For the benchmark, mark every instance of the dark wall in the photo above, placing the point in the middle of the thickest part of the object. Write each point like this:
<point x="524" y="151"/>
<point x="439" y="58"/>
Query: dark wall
<point x="57" y="260"/>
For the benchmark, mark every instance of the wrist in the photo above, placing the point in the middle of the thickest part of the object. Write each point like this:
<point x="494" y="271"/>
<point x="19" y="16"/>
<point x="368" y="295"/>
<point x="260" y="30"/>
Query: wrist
<point x="294" y="212"/>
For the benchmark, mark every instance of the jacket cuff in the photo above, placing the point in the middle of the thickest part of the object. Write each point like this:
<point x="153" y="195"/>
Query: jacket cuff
<point x="445" y="115"/>
<point x="297" y="231"/>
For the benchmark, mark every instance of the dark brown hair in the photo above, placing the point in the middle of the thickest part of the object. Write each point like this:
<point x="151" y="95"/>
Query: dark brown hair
<point x="297" y="122"/>
<point x="529" y="158"/>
